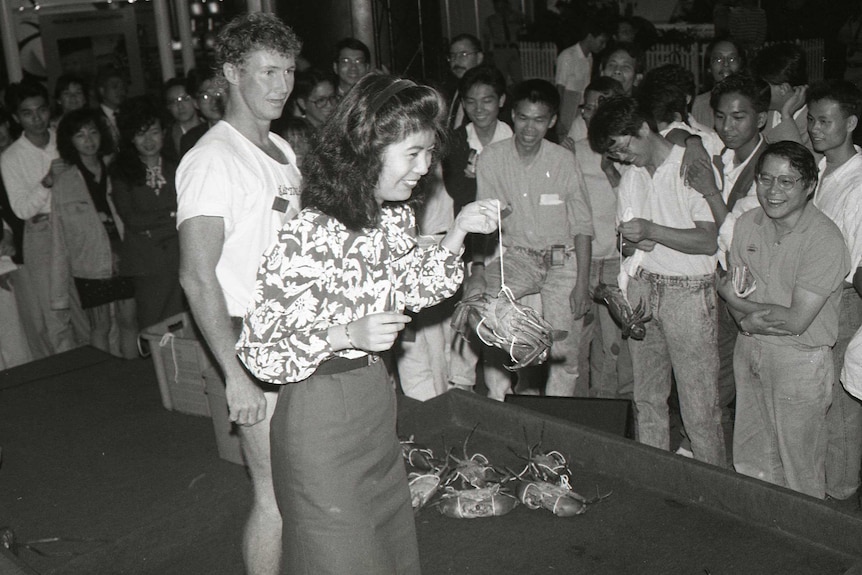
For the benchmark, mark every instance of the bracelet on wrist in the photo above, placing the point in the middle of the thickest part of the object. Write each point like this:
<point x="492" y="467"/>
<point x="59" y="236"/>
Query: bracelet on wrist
<point x="349" y="339"/>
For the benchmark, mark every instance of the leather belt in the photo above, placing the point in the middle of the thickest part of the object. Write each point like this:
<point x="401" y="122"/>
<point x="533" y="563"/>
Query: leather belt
<point x="342" y="364"/>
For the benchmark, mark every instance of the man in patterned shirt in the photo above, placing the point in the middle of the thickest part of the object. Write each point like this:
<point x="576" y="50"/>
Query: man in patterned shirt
<point x="235" y="189"/>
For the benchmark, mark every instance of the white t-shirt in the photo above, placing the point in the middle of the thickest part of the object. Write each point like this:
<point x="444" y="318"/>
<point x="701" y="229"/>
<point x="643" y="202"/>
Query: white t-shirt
<point x="663" y="198"/>
<point x="23" y="166"/>
<point x="742" y="205"/>
<point x="574" y="69"/>
<point x="839" y="196"/>
<point x="227" y="176"/>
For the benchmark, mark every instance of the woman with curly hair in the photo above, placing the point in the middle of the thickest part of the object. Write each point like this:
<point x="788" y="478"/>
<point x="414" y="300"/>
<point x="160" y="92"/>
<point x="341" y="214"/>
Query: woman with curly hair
<point x="86" y="235"/>
<point x="330" y="298"/>
<point x="145" y="195"/>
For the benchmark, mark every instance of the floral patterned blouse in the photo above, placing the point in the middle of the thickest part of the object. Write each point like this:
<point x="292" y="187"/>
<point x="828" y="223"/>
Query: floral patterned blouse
<point x="320" y="274"/>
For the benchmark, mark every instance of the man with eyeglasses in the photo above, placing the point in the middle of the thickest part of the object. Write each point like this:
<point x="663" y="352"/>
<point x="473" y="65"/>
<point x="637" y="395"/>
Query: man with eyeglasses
<point x="181" y="108"/>
<point x="788" y="262"/>
<point x="669" y="239"/>
<point x="833" y="114"/>
<point x="465" y="53"/>
<point x="209" y="101"/>
<point x="352" y="62"/>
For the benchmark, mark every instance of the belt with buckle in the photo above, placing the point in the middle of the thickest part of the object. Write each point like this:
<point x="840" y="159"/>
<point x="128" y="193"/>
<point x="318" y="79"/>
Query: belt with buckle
<point x="342" y="364"/>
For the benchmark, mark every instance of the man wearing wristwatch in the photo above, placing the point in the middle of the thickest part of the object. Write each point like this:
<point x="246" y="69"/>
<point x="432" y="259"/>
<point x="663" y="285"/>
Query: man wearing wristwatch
<point x="670" y="247"/>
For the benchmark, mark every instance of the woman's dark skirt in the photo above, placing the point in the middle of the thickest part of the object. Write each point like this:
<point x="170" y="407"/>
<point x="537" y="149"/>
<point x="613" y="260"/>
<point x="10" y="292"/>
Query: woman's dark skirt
<point x="339" y="477"/>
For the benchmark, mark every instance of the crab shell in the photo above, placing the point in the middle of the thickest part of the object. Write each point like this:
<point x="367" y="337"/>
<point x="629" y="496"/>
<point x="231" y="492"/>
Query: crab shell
<point x="476" y="503"/>
<point x="422" y="488"/>
<point x="561" y="501"/>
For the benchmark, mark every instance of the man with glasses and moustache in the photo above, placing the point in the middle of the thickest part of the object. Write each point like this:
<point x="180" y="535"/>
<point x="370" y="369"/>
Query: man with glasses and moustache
<point x="465" y="53"/>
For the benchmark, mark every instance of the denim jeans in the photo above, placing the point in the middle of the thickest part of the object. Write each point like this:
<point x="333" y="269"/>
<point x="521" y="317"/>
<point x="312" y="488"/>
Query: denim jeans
<point x="782" y="394"/>
<point x="605" y="364"/>
<point x="844" y="418"/>
<point x="527" y="272"/>
<point x="680" y="339"/>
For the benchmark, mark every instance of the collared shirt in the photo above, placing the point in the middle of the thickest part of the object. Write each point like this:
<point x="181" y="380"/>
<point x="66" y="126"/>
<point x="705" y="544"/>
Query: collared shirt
<point x="603" y="201"/>
<point x="664" y="199"/>
<point x="547" y="197"/>
<point x="319" y="274"/>
<point x="24" y="165"/>
<point x="812" y="256"/>
<point x="742" y="205"/>
<point x="839" y="196"/>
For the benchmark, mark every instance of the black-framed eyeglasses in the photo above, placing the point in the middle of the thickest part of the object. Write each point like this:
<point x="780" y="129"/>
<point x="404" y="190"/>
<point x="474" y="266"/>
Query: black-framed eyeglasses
<point x="783" y="183"/>
<point x="729" y="60"/>
<point x="211" y="96"/>
<point x="323" y="101"/>
<point x="620" y="149"/>
<point x="349" y="61"/>
<point x="179" y="100"/>
<point x="452" y="56"/>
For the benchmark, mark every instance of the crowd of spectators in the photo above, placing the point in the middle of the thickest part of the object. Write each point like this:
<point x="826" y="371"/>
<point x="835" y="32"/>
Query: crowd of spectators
<point x="615" y="174"/>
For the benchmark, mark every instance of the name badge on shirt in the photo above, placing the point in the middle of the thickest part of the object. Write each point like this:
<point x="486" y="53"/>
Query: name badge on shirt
<point x="280" y="204"/>
<point x="550" y="200"/>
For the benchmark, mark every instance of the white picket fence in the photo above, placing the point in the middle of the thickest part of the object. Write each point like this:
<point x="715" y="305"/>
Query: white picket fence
<point x="538" y="59"/>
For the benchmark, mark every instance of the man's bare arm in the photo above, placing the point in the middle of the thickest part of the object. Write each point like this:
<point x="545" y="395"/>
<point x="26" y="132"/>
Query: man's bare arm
<point x="201" y="242"/>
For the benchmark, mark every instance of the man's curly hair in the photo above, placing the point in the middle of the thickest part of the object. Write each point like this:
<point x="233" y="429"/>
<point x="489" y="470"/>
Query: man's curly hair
<point x="341" y="173"/>
<point x="251" y="32"/>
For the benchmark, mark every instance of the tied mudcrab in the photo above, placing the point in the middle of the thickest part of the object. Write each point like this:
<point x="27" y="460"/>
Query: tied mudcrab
<point x="631" y="320"/>
<point x="501" y="322"/>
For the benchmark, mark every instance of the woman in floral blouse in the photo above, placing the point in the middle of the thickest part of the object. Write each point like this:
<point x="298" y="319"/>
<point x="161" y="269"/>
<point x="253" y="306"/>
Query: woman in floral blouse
<point x="330" y="298"/>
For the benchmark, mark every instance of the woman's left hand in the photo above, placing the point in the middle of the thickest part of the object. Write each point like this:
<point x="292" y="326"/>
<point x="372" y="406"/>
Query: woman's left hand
<point x="479" y="217"/>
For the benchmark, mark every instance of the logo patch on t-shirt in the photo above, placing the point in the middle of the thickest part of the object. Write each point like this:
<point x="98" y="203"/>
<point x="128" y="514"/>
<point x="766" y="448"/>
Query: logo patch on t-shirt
<point x="281" y="202"/>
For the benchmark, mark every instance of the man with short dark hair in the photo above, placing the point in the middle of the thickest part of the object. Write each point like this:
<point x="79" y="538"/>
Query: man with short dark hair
<point x="788" y="261"/>
<point x="833" y="114"/>
<point x="547" y="236"/>
<point x="235" y="189"/>
<point x="574" y="71"/>
<point x="29" y="167"/>
<point x="352" y="62"/>
<point x="740" y="103"/>
<point x="785" y="67"/>
<point x="669" y="238"/>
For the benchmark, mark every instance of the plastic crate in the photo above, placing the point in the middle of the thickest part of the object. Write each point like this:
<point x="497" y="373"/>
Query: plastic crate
<point x="180" y="361"/>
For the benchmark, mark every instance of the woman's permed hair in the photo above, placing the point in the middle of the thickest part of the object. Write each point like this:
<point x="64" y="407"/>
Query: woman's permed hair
<point x="343" y="169"/>
<point x="251" y="32"/>
<point x="72" y="123"/>
<point x="799" y="157"/>
<point x="135" y="115"/>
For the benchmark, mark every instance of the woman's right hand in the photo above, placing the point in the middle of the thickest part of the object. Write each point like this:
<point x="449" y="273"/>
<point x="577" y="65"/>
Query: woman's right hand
<point x="377" y="331"/>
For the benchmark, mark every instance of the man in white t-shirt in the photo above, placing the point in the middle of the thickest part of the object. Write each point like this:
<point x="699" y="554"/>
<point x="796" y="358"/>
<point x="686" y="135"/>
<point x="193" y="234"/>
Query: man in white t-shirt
<point x="574" y="70"/>
<point x="833" y="114"/>
<point x="235" y="189"/>
<point x="670" y="239"/>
